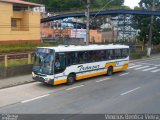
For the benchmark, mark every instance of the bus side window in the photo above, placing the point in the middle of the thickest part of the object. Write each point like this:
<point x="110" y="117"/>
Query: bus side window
<point x="59" y="64"/>
<point x="76" y="58"/>
<point x="62" y="60"/>
<point x="125" y="53"/>
<point x="110" y="54"/>
<point x="80" y="57"/>
<point x="107" y="56"/>
<point x="103" y="55"/>
<point x="70" y="58"/>
<point x="94" y="57"/>
<point x="91" y="56"/>
<point x="128" y="52"/>
<point x="90" y="59"/>
<point x="98" y="55"/>
<point x="57" y="61"/>
<point x="118" y="54"/>
<point x="85" y="57"/>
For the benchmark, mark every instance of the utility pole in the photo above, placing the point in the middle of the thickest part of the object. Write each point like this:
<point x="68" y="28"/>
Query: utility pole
<point x="87" y="24"/>
<point x="150" y="32"/>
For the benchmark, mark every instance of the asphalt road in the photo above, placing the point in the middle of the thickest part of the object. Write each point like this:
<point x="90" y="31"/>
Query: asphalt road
<point x="136" y="90"/>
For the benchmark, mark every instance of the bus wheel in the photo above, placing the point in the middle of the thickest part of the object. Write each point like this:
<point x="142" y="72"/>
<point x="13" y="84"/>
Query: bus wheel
<point x="70" y="79"/>
<point x="110" y="71"/>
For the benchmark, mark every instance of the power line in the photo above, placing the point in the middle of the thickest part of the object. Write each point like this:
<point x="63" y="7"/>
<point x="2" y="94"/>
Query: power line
<point x="102" y="8"/>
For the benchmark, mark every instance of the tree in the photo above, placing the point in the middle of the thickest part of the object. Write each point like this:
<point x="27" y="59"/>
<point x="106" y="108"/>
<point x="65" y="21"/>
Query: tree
<point x="142" y="23"/>
<point x="65" y="5"/>
<point x="147" y="4"/>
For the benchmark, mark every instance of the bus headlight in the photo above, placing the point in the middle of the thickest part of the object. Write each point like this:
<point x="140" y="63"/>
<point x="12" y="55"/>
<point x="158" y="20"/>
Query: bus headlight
<point x="47" y="79"/>
<point x="33" y="75"/>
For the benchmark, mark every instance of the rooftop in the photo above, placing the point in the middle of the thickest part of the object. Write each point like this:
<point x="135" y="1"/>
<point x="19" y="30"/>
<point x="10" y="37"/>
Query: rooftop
<point x="21" y="2"/>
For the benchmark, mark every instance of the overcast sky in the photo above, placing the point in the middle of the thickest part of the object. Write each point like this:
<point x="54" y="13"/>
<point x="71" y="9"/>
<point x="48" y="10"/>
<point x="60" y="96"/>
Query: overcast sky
<point x="131" y="3"/>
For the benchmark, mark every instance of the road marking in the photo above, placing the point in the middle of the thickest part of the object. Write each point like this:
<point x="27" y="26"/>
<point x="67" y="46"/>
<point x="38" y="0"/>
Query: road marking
<point x="74" y="87"/>
<point x="25" y="101"/>
<point x="134" y="66"/>
<point x="155" y="70"/>
<point x="151" y="64"/>
<point x="142" y="61"/>
<point x="103" y="80"/>
<point x="124" y="74"/>
<point x="149" y="69"/>
<point x="141" y="67"/>
<point x="147" y="63"/>
<point x="131" y="64"/>
<point x="130" y="91"/>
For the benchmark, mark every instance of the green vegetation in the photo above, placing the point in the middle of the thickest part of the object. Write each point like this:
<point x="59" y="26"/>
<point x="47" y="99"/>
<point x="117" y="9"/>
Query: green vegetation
<point x="22" y="47"/>
<point x="67" y="5"/>
<point x="139" y="53"/>
<point x="142" y="23"/>
<point x="136" y="54"/>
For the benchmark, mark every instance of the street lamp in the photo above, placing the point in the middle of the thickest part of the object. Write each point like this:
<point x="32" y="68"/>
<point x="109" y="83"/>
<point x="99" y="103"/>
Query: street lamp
<point x="150" y="32"/>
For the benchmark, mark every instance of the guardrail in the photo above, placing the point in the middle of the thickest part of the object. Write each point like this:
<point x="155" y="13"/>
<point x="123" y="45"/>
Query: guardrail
<point x="8" y="58"/>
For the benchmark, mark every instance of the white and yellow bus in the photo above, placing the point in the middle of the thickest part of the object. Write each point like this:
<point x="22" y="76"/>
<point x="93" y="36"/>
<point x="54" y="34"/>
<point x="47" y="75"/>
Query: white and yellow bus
<point x="66" y="64"/>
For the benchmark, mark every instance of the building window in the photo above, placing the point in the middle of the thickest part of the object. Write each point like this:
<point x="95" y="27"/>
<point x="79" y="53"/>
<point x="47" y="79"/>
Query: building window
<point x="16" y="25"/>
<point x="13" y="23"/>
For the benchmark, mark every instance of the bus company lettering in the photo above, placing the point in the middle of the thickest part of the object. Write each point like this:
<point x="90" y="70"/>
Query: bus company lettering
<point x="86" y="68"/>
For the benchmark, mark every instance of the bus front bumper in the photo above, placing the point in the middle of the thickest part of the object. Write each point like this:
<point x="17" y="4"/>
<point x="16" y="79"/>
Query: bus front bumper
<point x="41" y="79"/>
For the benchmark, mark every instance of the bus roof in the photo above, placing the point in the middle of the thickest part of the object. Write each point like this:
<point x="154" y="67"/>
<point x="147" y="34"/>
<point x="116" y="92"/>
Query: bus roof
<point x="67" y="48"/>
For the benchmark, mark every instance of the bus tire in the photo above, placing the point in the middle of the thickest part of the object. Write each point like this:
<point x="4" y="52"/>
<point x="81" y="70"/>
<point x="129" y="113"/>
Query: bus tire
<point x="71" y="79"/>
<point x="110" y="71"/>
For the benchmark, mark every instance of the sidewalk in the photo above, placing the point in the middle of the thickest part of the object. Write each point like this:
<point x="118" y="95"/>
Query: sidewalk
<point x="14" y="81"/>
<point x="146" y="58"/>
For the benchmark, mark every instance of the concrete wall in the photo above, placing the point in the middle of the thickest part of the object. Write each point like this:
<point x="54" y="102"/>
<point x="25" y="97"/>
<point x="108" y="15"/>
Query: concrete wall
<point x="95" y="36"/>
<point x="6" y="72"/>
<point x="48" y="32"/>
<point x="109" y="36"/>
<point x="28" y="28"/>
<point x="100" y="37"/>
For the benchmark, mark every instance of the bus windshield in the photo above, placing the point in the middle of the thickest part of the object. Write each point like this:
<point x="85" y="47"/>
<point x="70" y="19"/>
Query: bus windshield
<point x="43" y="61"/>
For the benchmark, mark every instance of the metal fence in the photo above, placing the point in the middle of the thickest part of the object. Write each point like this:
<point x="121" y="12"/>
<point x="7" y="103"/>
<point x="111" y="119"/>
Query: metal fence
<point x="5" y="59"/>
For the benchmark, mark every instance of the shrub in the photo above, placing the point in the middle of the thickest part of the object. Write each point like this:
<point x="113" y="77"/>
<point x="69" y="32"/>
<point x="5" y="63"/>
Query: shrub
<point x="136" y="54"/>
<point x="22" y="47"/>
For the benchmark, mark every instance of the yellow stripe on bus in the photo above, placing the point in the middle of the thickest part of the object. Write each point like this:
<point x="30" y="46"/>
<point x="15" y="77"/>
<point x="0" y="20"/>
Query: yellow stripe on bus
<point x="124" y="67"/>
<point x="60" y="82"/>
<point x="110" y="64"/>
